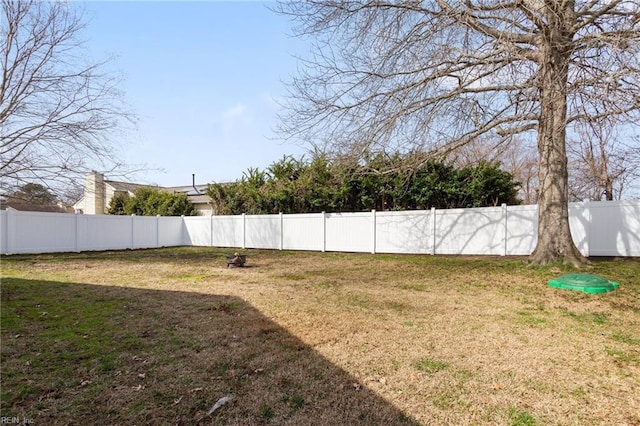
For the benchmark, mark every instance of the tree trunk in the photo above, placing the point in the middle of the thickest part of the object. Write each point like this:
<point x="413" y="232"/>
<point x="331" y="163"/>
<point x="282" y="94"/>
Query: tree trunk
<point x="608" y="189"/>
<point x="554" y="236"/>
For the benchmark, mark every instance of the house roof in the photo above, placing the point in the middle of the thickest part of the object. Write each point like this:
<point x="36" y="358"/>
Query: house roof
<point x="196" y="195"/>
<point x="189" y="190"/>
<point x="131" y="187"/>
<point x="126" y="186"/>
<point x="28" y="207"/>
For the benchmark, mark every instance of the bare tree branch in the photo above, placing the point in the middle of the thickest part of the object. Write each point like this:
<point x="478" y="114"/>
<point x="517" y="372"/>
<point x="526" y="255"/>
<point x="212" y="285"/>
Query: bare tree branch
<point x="57" y="111"/>
<point x="433" y="75"/>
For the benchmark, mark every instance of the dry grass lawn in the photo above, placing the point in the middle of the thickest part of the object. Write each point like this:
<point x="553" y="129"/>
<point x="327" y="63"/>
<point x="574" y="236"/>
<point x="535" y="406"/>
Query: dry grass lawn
<point x="158" y="336"/>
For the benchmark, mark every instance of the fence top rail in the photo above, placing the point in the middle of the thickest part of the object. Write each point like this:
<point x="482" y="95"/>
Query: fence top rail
<point x="262" y="216"/>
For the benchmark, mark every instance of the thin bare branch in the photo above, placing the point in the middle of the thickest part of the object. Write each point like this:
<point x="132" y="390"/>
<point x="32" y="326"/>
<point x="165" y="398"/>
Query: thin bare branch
<point x="58" y="113"/>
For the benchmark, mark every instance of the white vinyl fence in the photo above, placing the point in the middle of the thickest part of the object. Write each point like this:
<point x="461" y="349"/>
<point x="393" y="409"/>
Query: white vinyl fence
<point x="610" y="228"/>
<point x="36" y="232"/>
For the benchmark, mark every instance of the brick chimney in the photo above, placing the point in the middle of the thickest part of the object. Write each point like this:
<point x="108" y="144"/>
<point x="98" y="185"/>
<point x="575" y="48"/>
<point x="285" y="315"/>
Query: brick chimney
<point x="94" y="193"/>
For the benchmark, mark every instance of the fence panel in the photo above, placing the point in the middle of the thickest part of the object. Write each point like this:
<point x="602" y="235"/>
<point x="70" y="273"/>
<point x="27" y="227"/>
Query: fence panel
<point x="615" y="228"/>
<point x="349" y="232"/>
<point x="404" y="232"/>
<point x="470" y="231"/>
<point x="171" y="230"/>
<point x="303" y="231"/>
<point x="37" y="232"/>
<point x="228" y="231"/>
<point x="104" y="232"/>
<point x="145" y="232"/>
<point x="262" y="231"/>
<point x="579" y="218"/>
<point x="197" y="230"/>
<point x="522" y="229"/>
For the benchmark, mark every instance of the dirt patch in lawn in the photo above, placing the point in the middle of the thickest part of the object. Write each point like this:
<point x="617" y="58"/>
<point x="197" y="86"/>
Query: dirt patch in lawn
<point x="158" y="336"/>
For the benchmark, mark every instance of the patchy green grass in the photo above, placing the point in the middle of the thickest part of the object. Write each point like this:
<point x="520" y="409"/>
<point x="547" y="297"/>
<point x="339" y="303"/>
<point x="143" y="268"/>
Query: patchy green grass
<point x="77" y="353"/>
<point x="429" y="366"/>
<point x="158" y="336"/>
<point x="626" y="338"/>
<point x="520" y="418"/>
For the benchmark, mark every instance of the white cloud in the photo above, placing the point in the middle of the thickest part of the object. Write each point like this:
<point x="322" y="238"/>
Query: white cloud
<point x="234" y="116"/>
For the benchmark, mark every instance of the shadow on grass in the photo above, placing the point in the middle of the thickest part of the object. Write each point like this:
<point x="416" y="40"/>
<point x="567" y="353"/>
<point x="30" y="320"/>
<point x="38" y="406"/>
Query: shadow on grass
<point x="86" y="354"/>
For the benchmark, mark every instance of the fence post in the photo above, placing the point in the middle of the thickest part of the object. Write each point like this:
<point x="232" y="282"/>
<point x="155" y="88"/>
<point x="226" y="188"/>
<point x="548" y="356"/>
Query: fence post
<point x="324" y="231"/>
<point x="587" y="229"/>
<point x="8" y="237"/>
<point x="504" y="234"/>
<point x="183" y="231"/>
<point x="157" y="231"/>
<point x="76" y="233"/>
<point x="281" y="230"/>
<point x="433" y="231"/>
<point x="132" y="231"/>
<point x="211" y="229"/>
<point x="373" y="219"/>
<point x="244" y="230"/>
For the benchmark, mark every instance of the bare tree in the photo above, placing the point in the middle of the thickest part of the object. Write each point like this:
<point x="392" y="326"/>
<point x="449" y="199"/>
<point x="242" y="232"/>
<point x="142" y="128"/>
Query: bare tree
<point x="433" y="75"/>
<point x="55" y="108"/>
<point x="602" y="163"/>
<point x="522" y="162"/>
<point x="516" y="156"/>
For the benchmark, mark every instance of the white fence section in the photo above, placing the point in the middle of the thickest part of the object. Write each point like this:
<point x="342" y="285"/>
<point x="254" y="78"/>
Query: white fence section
<point x="35" y="232"/>
<point x="391" y="224"/>
<point x="613" y="233"/>
<point x="303" y="232"/>
<point x="262" y="231"/>
<point x="610" y="228"/>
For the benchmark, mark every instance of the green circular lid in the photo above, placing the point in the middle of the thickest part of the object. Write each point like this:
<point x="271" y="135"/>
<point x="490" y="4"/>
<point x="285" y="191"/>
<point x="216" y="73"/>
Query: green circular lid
<point x="584" y="282"/>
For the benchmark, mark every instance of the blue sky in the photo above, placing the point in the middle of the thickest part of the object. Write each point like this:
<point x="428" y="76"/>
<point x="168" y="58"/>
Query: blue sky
<point x="203" y="78"/>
